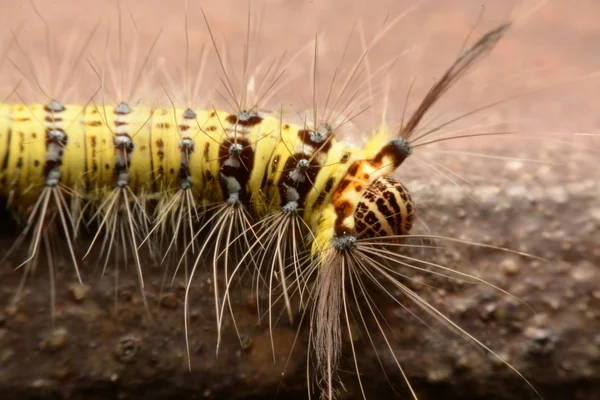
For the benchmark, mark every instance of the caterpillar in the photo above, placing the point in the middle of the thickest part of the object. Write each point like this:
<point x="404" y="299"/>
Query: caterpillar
<point x="315" y="219"/>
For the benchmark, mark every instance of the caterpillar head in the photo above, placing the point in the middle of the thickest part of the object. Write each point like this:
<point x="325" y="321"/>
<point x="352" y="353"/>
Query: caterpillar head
<point x="385" y="209"/>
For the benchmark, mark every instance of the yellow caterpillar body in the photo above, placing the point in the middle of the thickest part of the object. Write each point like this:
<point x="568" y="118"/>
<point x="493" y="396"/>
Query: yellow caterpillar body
<point x="158" y="137"/>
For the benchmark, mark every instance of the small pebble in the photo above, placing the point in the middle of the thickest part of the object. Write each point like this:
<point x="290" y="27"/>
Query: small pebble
<point x="439" y="375"/>
<point x="54" y="340"/>
<point x="488" y="311"/>
<point x="417" y="282"/>
<point x="6" y="355"/>
<point x="126" y="349"/>
<point x="168" y="300"/>
<point x="79" y="292"/>
<point x="543" y="341"/>
<point x="510" y="267"/>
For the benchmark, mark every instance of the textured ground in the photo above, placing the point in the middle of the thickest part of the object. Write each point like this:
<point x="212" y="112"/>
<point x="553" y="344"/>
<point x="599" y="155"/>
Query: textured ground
<point x="550" y="209"/>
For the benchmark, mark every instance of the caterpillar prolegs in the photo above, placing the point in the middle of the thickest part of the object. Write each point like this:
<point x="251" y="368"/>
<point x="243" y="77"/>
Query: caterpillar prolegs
<point x="316" y="222"/>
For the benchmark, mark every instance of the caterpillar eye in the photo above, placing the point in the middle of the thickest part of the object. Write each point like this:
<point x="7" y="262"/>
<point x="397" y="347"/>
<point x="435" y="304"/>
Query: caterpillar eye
<point x="384" y="209"/>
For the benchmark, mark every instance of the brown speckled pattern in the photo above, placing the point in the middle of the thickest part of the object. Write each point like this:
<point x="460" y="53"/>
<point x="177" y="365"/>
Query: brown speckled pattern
<point x="385" y="209"/>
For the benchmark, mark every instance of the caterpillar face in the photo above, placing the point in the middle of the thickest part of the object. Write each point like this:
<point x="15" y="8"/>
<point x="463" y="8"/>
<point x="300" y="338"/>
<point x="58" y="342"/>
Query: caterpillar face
<point x="384" y="209"/>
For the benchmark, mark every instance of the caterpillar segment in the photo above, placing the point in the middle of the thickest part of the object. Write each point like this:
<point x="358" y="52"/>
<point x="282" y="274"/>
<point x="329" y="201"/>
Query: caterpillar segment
<point x="178" y="209"/>
<point x="231" y="219"/>
<point x="280" y="235"/>
<point x="42" y="161"/>
<point x="24" y="169"/>
<point x="299" y="173"/>
<point x="38" y="181"/>
<point x="121" y="217"/>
